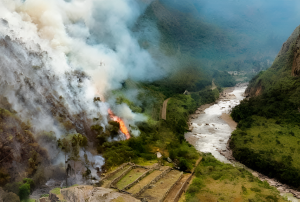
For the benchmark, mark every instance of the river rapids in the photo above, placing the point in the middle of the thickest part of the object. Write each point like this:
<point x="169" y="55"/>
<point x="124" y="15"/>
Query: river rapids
<point x="211" y="128"/>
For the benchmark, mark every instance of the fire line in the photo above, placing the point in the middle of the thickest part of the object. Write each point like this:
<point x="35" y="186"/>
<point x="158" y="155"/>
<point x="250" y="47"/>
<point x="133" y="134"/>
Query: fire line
<point x="123" y="127"/>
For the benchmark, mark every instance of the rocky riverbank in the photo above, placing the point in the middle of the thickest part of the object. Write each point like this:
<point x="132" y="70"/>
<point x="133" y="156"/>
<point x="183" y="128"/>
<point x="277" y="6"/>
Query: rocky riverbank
<point x="282" y="188"/>
<point x="210" y="131"/>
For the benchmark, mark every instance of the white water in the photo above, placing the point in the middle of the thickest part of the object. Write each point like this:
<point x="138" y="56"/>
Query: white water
<point x="212" y="133"/>
<point x="214" y="136"/>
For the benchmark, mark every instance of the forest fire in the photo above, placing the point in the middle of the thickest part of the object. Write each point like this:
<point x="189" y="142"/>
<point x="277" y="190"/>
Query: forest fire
<point x="123" y="127"/>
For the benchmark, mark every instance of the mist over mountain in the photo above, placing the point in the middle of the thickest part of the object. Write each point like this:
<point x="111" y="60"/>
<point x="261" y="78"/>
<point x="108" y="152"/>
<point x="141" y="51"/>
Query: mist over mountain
<point x="226" y="35"/>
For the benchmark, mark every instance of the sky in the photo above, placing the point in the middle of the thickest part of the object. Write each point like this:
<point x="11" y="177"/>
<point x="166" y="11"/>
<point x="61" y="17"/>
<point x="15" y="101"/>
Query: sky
<point x="274" y="18"/>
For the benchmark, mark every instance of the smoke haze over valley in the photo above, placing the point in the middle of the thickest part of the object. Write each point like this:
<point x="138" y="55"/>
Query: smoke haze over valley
<point x="83" y="82"/>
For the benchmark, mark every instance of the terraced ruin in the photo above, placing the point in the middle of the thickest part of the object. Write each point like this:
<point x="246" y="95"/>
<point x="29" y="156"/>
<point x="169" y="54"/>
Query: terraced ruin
<point x="153" y="184"/>
<point x="131" y="182"/>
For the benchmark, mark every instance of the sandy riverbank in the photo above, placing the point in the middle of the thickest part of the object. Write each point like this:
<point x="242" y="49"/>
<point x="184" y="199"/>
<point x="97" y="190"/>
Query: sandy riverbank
<point x="227" y="118"/>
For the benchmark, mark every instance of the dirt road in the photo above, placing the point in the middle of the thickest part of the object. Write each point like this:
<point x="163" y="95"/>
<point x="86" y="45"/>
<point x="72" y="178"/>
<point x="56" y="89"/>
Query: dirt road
<point x="164" y="109"/>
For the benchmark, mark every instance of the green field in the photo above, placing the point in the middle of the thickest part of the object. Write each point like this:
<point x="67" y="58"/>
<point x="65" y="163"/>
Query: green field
<point x="130" y="177"/>
<point x="216" y="181"/>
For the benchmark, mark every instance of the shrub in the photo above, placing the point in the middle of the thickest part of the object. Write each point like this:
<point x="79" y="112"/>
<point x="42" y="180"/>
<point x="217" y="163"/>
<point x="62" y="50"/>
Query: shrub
<point x="196" y="185"/>
<point x="244" y="189"/>
<point x="11" y="197"/>
<point x="24" y="191"/>
<point x="4" y="176"/>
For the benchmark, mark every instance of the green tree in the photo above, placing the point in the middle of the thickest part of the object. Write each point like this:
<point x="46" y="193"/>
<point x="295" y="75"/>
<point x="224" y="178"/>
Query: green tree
<point x="78" y="141"/>
<point x="65" y="146"/>
<point x="25" y="188"/>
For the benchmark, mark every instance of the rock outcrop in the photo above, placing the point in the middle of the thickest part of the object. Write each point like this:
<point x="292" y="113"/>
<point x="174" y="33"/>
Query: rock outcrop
<point x="88" y="193"/>
<point x="286" y="45"/>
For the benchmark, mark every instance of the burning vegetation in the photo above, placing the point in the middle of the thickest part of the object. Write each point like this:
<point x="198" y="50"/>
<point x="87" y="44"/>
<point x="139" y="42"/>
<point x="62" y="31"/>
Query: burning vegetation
<point x="123" y="127"/>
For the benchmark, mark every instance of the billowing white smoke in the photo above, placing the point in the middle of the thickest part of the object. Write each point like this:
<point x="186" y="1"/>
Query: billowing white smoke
<point x="67" y="53"/>
<point x="87" y="33"/>
<point x="61" y="36"/>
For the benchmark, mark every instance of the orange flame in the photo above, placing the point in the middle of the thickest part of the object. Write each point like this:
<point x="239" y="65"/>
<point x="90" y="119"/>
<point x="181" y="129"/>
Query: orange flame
<point x="123" y="127"/>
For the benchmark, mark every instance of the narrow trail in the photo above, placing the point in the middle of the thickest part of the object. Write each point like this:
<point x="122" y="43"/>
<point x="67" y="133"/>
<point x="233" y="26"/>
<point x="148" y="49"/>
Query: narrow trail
<point x="164" y="109"/>
<point x="213" y="85"/>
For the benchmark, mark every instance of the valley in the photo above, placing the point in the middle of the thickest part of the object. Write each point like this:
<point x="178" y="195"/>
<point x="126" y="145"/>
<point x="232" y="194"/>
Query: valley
<point x="149" y="100"/>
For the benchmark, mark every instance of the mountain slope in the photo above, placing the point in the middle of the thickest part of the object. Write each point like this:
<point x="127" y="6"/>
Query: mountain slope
<point x="185" y="29"/>
<point x="268" y="134"/>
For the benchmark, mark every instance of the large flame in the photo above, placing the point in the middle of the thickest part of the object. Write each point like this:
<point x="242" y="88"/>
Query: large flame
<point x="123" y="127"/>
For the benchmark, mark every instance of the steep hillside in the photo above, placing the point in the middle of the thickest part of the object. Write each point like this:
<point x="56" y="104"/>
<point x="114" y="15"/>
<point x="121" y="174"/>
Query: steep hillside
<point x="285" y="68"/>
<point x="268" y="134"/>
<point x="184" y="30"/>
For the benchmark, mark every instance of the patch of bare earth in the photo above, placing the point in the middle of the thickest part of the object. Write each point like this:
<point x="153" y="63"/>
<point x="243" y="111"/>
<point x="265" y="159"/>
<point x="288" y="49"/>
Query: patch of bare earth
<point x="164" y="109"/>
<point x="227" y="118"/>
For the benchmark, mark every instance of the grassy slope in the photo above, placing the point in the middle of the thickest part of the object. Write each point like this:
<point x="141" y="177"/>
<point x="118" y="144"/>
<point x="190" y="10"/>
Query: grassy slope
<point x="268" y="135"/>
<point x="216" y="181"/>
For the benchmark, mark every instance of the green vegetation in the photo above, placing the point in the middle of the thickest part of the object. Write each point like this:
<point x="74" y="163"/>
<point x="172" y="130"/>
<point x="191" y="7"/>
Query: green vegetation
<point x="191" y="78"/>
<point x="56" y="191"/>
<point x="22" y="189"/>
<point x="167" y="136"/>
<point x="270" y="147"/>
<point x="188" y="35"/>
<point x="216" y="181"/>
<point x="268" y="135"/>
<point x="130" y="177"/>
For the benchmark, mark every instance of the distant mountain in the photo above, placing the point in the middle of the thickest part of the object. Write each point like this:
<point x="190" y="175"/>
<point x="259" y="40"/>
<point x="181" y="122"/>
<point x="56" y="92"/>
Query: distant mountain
<point x="219" y="43"/>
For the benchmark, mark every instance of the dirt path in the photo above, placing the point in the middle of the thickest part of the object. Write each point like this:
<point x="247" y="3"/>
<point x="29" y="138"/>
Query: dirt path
<point x="164" y="109"/>
<point x="213" y="85"/>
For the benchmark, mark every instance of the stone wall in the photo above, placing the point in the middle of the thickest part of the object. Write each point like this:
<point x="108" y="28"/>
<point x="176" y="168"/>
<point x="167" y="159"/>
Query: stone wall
<point x="183" y="188"/>
<point x="114" y="181"/>
<point x="163" y="198"/>
<point x="115" y="171"/>
<point x="186" y="183"/>
<point x="152" y="182"/>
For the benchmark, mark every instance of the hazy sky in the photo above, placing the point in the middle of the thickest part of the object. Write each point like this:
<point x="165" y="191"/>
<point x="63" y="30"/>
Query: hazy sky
<point x="276" y="17"/>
